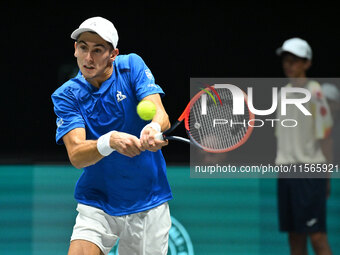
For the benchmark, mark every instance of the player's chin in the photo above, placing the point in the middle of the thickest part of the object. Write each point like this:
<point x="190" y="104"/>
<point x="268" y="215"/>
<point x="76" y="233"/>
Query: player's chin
<point x="88" y="73"/>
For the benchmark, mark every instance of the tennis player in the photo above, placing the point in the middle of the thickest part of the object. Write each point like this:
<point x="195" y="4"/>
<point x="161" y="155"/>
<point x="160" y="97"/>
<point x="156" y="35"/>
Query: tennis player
<point x="123" y="190"/>
<point x="302" y="201"/>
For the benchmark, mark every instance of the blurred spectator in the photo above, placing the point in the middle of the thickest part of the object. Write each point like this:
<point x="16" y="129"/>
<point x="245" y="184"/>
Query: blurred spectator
<point x="302" y="201"/>
<point x="332" y="94"/>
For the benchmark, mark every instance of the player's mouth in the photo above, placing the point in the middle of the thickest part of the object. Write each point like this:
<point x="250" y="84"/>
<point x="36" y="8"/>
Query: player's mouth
<point x="88" y="67"/>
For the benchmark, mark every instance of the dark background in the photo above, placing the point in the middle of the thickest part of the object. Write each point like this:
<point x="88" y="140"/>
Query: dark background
<point x="177" y="40"/>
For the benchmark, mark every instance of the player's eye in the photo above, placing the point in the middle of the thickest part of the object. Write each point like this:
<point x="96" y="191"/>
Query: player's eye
<point x="83" y="47"/>
<point x="98" y="50"/>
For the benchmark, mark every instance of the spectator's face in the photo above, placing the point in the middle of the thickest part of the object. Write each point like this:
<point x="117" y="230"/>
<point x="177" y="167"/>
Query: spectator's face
<point x="294" y="67"/>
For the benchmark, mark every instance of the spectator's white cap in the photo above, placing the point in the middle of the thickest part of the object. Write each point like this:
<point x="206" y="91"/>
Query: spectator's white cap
<point x="331" y="92"/>
<point x="103" y="27"/>
<point x="296" y="46"/>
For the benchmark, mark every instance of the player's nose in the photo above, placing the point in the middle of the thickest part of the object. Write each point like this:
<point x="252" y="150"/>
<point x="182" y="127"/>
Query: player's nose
<point x="88" y="57"/>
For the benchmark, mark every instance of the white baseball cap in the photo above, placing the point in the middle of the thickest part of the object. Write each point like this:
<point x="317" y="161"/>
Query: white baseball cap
<point x="331" y="92"/>
<point x="103" y="27"/>
<point x="296" y="46"/>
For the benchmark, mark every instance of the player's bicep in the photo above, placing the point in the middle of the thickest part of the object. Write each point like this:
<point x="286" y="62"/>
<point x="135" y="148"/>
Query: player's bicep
<point x="73" y="138"/>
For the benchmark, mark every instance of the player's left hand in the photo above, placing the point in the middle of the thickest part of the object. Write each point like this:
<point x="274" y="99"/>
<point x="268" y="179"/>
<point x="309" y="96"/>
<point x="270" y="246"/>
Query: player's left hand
<point x="149" y="142"/>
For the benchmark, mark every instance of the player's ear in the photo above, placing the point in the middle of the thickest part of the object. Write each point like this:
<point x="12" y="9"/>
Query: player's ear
<point x="75" y="49"/>
<point x="114" y="54"/>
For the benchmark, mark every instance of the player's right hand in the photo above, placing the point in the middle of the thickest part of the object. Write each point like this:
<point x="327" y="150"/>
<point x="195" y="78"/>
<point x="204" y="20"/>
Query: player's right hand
<point x="126" y="144"/>
<point x="149" y="142"/>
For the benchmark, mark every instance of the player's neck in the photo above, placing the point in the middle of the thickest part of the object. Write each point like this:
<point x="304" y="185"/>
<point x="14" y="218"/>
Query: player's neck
<point x="97" y="81"/>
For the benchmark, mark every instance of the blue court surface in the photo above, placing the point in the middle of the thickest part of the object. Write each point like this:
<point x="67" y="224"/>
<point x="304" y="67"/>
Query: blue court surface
<point x="210" y="216"/>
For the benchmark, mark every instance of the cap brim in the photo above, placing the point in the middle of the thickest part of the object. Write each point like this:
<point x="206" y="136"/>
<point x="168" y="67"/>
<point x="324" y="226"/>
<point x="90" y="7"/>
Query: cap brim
<point x="78" y="31"/>
<point x="279" y="52"/>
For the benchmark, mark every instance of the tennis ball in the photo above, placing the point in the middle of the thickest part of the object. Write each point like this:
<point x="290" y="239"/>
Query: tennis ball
<point x="146" y="109"/>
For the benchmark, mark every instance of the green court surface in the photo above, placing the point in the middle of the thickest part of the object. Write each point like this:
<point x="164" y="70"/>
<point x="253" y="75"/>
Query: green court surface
<point x="221" y="216"/>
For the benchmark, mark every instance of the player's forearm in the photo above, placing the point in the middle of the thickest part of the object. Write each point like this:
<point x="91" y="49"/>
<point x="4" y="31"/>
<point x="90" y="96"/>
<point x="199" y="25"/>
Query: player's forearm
<point x="162" y="118"/>
<point x="84" y="154"/>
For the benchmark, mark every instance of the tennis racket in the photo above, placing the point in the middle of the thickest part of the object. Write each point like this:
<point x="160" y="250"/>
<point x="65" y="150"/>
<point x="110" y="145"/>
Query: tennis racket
<point x="211" y="124"/>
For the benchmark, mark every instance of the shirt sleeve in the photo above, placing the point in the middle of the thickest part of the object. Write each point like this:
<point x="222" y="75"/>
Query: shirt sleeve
<point x="68" y="114"/>
<point x="322" y="115"/>
<point x="142" y="79"/>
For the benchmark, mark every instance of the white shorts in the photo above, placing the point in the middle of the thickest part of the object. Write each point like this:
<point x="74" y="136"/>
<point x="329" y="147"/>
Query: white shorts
<point x="143" y="233"/>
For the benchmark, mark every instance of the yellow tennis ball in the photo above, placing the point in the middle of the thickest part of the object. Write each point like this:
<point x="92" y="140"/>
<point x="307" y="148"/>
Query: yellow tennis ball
<point x="146" y="110"/>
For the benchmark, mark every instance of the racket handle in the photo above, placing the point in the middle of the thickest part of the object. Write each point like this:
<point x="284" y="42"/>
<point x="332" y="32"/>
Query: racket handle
<point x="159" y="136"/>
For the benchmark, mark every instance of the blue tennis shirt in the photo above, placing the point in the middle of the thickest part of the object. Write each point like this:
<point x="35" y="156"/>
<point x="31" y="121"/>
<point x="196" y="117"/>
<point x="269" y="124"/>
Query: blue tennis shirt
<point x="117" y="184"/>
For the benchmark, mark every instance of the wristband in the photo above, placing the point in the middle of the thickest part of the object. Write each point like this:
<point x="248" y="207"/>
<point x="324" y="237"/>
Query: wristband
<point x="154" y="125"/>
<point x="103" y="144"/>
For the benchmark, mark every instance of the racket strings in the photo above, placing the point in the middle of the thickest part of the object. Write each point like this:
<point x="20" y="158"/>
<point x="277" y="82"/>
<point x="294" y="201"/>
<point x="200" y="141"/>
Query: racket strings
<point x="234" y="132"/>
<point x="218" y="129"/>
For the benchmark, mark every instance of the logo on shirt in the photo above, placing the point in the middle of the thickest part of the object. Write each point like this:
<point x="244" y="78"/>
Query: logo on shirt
<point x="120" y="96"/>
<point x="60" y="122"/>
<point x="148" y="74"/>
<point x="152" y="86"/>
